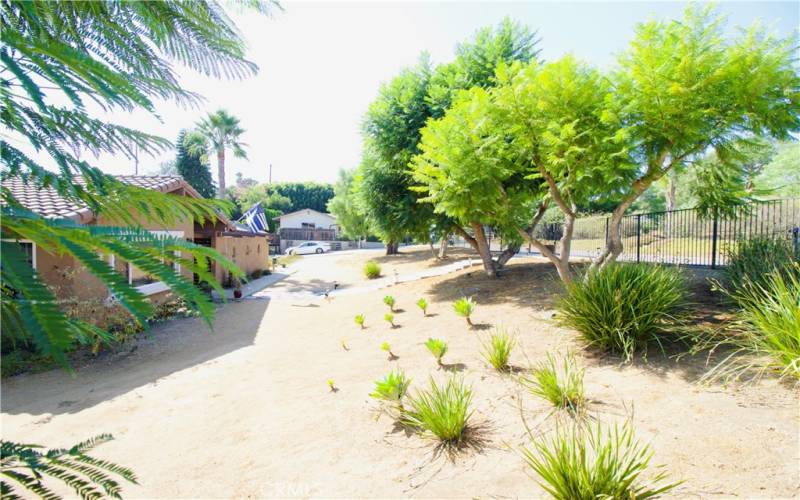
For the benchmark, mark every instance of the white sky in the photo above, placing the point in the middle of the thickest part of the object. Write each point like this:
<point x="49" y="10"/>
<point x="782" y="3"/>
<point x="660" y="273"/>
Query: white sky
<point x="322" y="64"/>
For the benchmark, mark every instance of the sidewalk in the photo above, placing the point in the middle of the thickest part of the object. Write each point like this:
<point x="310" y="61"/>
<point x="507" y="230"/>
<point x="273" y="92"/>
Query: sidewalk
<point x="254" y="286"/>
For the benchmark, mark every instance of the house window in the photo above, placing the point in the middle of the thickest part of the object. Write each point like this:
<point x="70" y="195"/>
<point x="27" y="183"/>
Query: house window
<point x="28" y="248"/>
<point x="143" y="282"/>
<point x="308" y="225"/>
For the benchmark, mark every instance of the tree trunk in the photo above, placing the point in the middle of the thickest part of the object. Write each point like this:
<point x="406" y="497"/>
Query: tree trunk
<point x="510" y="251"/>
<point x="391" y="248"/>
<point x="443" y="246"/>
<point x="671" y="192"/>
<point x="614" y="245"/>
<point x="482" y="245"/>
<point x="433" y="250"/>
<point x="221" y="172"/>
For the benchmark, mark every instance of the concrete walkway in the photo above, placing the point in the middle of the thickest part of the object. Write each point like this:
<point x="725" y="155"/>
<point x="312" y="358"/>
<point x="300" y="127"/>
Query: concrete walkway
<point x="254" y="286"/>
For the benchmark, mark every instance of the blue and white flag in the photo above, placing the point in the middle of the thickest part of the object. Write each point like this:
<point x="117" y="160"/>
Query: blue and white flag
<point x="255" y="219"/>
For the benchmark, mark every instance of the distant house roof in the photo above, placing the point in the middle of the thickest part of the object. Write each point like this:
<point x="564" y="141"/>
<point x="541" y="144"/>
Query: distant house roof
<point x="304" y="210"/>
<point x="48" y="203"/>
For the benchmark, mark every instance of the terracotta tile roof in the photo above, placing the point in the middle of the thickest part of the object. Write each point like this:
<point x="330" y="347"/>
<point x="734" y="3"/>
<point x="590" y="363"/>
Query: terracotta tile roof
<point x="47" y="202"/>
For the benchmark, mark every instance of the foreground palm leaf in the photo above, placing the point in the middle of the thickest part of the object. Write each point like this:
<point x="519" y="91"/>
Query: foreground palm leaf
<point x="118" y="55"/>
<point x="26" y="466"/>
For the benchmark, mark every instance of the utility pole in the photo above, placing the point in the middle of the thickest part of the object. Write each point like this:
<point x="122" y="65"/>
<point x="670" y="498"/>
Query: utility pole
<point x="270" y="173"/>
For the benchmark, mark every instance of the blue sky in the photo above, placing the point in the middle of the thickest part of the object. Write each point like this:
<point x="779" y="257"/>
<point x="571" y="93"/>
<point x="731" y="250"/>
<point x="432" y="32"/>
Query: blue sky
<point x="322" y="64"/>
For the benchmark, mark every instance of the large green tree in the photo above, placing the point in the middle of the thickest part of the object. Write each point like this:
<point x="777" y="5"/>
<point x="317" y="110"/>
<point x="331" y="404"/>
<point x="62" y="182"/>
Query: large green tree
<point x="391" y="129"/>
<point x="219" y="131"/>
<point x="313" y="195"/>
<point x="347" y="208"/>
<point x="468" y="171"/>
<point x="57" y="57"/>
<point x="403" y="107"/>
<point x="683" y="88"/>
<point x="193" y="168"/>
<point x="555" y="114"/>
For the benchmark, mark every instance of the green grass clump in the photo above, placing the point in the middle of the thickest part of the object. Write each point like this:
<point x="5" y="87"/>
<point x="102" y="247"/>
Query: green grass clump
<point x="438" y="348"/>
<point x="360" y="320"/>
<point x="442" y="412"/>
<point x="389" y="317"/>
<point x="464" y="307"/>
<point x="392" y="388"/>
<point x="372" y="270"/>
<point x="389" y="301"/>
<point x="622" y="307"/>
<point x="767" y="335"/>
<point x="497" y="351"/>
<point x="751" y="263"/>
<point x="595" y="462"/>
<point x="423" y="304"/>
<point x="560" y="385"/>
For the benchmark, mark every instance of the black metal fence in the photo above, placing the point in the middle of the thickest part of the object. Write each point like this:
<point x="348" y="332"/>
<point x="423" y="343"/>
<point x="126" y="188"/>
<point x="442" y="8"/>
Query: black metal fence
<point x="683" y="236"/>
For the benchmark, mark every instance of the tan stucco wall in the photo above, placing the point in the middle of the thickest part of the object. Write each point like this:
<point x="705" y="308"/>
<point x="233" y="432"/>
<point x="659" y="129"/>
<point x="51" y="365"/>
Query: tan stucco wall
<point x="247" y="252"/>
<point x="70" y="279"/>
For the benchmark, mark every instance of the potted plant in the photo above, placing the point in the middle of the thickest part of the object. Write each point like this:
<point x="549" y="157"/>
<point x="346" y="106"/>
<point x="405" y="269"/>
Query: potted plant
<point x="237" y="288"/>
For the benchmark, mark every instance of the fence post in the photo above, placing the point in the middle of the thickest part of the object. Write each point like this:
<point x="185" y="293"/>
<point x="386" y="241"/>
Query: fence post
<point x="714" y="243"/>
<point x="638" y="237"/>
<point x="606" y="244"/>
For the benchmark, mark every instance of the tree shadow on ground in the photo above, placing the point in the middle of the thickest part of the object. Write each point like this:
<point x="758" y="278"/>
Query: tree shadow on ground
<point x="534" y="285"/>
<point x="167" y="348"/>
<point x="417" y="255"/>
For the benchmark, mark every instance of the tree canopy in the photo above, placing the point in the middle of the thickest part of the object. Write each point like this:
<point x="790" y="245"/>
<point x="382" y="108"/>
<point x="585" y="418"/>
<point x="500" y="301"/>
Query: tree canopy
<point x="679" y="92"/>
<point x="194" y="168"/>
<point x="404" y="105"/>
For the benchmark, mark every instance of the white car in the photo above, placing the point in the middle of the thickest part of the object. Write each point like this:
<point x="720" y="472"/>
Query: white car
<point x="308" y="247"/>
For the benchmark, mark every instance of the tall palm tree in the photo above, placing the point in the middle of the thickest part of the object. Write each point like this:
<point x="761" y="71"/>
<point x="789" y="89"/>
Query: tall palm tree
<point x="221" y="130"/>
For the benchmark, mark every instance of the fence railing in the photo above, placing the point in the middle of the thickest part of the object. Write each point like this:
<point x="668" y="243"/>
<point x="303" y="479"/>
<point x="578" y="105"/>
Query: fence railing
<point x="307" y="234"/>
<point x="683" y="236"/>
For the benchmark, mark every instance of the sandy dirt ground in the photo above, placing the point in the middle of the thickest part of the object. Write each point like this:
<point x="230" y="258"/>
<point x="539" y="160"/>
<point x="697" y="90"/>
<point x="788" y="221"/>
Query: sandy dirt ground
<point x="244" y="411"/>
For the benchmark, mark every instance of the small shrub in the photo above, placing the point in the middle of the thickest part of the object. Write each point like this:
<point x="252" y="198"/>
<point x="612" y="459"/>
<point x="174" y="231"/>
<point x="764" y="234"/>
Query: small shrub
<point x="579" y="464"/>
<point x="464" y="307"/>
<point x="767" y="335"/>
<point x="28" y="465"/>
<point x="438" y="348"/>
<point x="385" y="347"/>
<point x="441" y="411"/>
<point x="389" y="317"/>
<point x="360" y="320"/>
<point x="257" y="274"/>
<point x="622" y="307"/>
<point x="560" y="385"/>
<point x="423" y="304"/>
<point x="498" y="350"/>
<point x="392" y="388"/>
<point x="372" y="270"/>
<point x="331" y="385"/>
<point x="752" y="262"/>
<point x="389" y="301"/>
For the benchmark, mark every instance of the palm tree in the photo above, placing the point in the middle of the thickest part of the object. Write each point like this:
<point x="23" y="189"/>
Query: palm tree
<point x="221" y="130"/>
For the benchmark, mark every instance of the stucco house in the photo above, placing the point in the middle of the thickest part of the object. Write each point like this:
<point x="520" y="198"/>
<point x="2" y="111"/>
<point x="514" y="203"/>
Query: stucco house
<point x="249" y="250"/>
<point x="306" y="225"/>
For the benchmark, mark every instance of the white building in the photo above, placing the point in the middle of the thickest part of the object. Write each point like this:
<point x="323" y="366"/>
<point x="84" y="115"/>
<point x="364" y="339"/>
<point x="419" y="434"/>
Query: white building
<point x="306" y="225"/>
